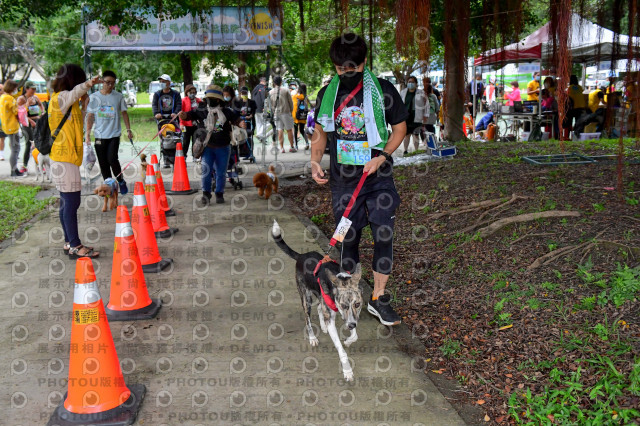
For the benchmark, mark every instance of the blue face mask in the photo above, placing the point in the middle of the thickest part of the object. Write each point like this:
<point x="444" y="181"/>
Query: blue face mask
<point x="411" y="86"/>
<point x="227" y="98"/>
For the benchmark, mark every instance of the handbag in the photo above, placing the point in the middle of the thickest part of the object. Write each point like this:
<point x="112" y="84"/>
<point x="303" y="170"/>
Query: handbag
<point x="200" y="138"/>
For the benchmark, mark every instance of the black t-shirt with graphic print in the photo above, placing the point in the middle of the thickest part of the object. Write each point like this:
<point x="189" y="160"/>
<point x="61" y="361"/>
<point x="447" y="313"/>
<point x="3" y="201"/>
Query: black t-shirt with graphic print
<point x="350" y="126"/>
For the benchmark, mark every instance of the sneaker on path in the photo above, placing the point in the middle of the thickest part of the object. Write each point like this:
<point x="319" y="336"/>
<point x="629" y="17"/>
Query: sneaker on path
<point x="381" y="308"/>
<point x="123" y="187"/>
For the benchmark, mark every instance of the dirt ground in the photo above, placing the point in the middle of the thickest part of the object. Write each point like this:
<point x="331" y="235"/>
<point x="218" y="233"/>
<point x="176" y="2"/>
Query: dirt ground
<point x="537" y="320"/>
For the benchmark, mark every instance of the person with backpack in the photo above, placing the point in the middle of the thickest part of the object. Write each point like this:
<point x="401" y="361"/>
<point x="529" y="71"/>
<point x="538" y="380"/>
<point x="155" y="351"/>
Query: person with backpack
<point x="301" y="107"/>
<point x="69" y="87"/>
<point x="281" y="105"/>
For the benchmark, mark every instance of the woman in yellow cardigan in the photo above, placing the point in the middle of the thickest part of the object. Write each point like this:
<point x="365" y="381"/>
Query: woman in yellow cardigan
<point x="10" y="125"/>
<point x="69" y="87"/>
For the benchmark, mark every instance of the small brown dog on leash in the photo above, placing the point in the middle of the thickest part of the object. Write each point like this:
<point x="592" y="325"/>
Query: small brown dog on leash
<point x="109" y="191"/>
<point x="266" y="182"/>
<point x="143" y="166"/>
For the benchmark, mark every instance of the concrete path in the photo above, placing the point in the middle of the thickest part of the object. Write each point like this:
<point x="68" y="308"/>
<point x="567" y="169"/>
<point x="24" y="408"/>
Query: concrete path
<point x="228" y="346"/>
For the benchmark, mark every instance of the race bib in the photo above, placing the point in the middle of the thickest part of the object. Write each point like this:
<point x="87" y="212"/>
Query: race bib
<point x="354" y="153"/>
<point x="34" y="109"/>
<point x="107" y="112"/>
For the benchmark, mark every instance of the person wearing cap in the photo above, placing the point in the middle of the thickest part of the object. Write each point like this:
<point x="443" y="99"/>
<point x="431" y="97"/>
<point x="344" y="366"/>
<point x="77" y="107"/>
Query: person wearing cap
<point x="217" y="120"/>
<point x="246" y="108"/>
<point x="35" y="109"/>
<point x="293" y="88"/>
<point x="189" y="102"/>
<point x="166" y="105"/>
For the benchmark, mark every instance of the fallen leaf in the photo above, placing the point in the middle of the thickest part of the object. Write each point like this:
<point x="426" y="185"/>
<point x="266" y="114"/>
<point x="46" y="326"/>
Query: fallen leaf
<point x="505" y="327"/>
<point x="480" y="401"/>
<point x="487" y="418"/>
<point x="438" y="371"/>
<point x="509" y="375"/>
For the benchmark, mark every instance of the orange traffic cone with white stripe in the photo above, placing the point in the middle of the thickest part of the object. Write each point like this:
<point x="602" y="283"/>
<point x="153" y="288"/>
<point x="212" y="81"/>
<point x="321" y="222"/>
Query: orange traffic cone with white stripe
<point x="129" y="299"/>
<point x="143" y="231"/>
<point x="158" y="220"/>
<point x="162" y="195"/>
<point x="180" y="184"/>
<point x="96" y="391"/>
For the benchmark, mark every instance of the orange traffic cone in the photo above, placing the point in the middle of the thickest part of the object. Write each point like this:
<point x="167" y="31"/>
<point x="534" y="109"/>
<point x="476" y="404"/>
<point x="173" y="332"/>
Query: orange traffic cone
<point x="143" y="231"/>
<point x="162" y="195"/>
<point x="159" y="221"/>
<point x="180" y="185"/>
<point x="129" y="298"/>
<point x="96" y="391"/>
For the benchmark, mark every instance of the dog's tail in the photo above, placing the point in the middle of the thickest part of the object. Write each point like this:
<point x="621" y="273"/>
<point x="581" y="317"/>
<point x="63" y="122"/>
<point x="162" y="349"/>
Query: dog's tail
<point x="276" y="233"/>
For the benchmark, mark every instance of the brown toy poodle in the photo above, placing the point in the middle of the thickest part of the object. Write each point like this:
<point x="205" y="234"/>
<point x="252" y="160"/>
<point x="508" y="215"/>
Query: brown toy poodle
<point x="109" y="191"/>
<point x="266" y="182"/>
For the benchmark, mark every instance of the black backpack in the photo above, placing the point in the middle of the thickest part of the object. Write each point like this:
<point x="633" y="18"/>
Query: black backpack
<point x="43" y="139"/>
<point x="301" y="113"/>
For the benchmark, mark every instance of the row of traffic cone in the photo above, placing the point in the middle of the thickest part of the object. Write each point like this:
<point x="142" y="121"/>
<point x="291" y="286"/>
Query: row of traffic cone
<point x="97" y="393"/>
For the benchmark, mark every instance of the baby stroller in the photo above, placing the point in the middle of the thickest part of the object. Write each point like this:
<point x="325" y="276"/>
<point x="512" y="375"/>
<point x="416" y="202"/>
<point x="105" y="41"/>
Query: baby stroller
<point x="169" y="138"/>
<point x="245" y="146"/>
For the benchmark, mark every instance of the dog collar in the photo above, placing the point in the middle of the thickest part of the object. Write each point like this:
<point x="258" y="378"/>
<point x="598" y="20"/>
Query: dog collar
<point x="327" y="299"/>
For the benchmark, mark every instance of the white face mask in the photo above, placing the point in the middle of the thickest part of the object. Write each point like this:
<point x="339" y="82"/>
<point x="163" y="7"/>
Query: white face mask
<point x="192" y="96"/>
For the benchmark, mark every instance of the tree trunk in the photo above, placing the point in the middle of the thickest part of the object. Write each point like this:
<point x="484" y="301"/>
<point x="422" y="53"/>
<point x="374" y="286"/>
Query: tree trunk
<point x="187" y="70"/>
<point x="455" y="53"/>
<point x="454" y="97"/>
<point x="242" y="70"/>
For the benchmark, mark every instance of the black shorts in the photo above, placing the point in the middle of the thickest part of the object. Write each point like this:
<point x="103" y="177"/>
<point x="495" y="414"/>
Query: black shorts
<point x="376" y="203"/>
<point x="2" y="134"/>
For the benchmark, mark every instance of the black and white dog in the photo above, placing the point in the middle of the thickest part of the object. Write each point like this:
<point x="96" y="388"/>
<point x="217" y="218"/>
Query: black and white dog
<point x="336" y="291"/>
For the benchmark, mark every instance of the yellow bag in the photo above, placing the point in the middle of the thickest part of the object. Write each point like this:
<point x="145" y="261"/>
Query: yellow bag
<point x="34" y="154"/>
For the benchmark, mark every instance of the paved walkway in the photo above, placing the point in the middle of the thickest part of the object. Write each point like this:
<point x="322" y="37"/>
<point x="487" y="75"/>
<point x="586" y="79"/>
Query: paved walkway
<point x="228" y="346"/>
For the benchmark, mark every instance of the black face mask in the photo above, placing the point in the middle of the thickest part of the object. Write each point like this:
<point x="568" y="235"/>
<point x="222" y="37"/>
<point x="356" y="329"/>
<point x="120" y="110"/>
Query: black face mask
<point x="213" y="102"/>
<point x="350" y="80"/>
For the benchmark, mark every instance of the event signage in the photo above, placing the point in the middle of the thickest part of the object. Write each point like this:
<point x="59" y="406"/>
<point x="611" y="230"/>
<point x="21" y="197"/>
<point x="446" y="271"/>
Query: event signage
<point x="237" y="28"/>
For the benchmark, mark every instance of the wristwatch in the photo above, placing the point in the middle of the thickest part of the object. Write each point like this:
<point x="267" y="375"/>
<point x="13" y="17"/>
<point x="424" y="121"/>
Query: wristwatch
<point x="386" y="155"/>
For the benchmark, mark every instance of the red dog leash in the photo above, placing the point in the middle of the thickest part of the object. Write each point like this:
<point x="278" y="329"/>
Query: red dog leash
<point x="338" y="235"/>
<point x="345" y="223"/>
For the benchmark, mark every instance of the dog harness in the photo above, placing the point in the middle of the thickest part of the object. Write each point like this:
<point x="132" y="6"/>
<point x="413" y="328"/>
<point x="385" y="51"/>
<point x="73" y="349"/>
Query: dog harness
<point x="271" y="175"/>
<point x="327" y="299"/>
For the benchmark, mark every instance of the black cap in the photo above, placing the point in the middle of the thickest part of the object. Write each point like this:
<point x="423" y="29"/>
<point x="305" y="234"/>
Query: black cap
<point x="244" y="89"/>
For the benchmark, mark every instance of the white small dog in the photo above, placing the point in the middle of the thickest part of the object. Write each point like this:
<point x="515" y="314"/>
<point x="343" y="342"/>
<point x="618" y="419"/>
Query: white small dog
<point x="43" y="167"/>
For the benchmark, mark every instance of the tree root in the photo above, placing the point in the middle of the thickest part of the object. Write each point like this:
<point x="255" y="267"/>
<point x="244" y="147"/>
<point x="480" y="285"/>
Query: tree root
<point x="514" y="198"/>
<point x="468" y="208"/>
<point x="501" y="223"/>
<point x="542" y="234"/>
<point x="550" y="257"/>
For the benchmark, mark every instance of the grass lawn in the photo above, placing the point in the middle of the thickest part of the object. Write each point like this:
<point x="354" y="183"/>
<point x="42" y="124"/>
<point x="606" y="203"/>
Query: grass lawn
<point x="17" y="205"/>
<point x="142" y="123"/>
<point x="142" y="98"/>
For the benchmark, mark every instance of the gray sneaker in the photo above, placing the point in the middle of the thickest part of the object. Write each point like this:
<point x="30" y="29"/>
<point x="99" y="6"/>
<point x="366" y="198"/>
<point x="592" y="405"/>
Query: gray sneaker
<point x="381" y="308"/>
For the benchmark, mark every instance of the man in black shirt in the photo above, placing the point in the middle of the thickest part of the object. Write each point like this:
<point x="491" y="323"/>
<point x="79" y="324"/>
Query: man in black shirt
<point x="353" y="122"/>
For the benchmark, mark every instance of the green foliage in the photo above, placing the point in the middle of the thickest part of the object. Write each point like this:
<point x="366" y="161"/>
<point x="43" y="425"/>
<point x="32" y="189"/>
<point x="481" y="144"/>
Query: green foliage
<point x="562" y="402"/>
<point x="17" y="205"/>
<point x="450" y="347"/>
<point x="319" y="218"/>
